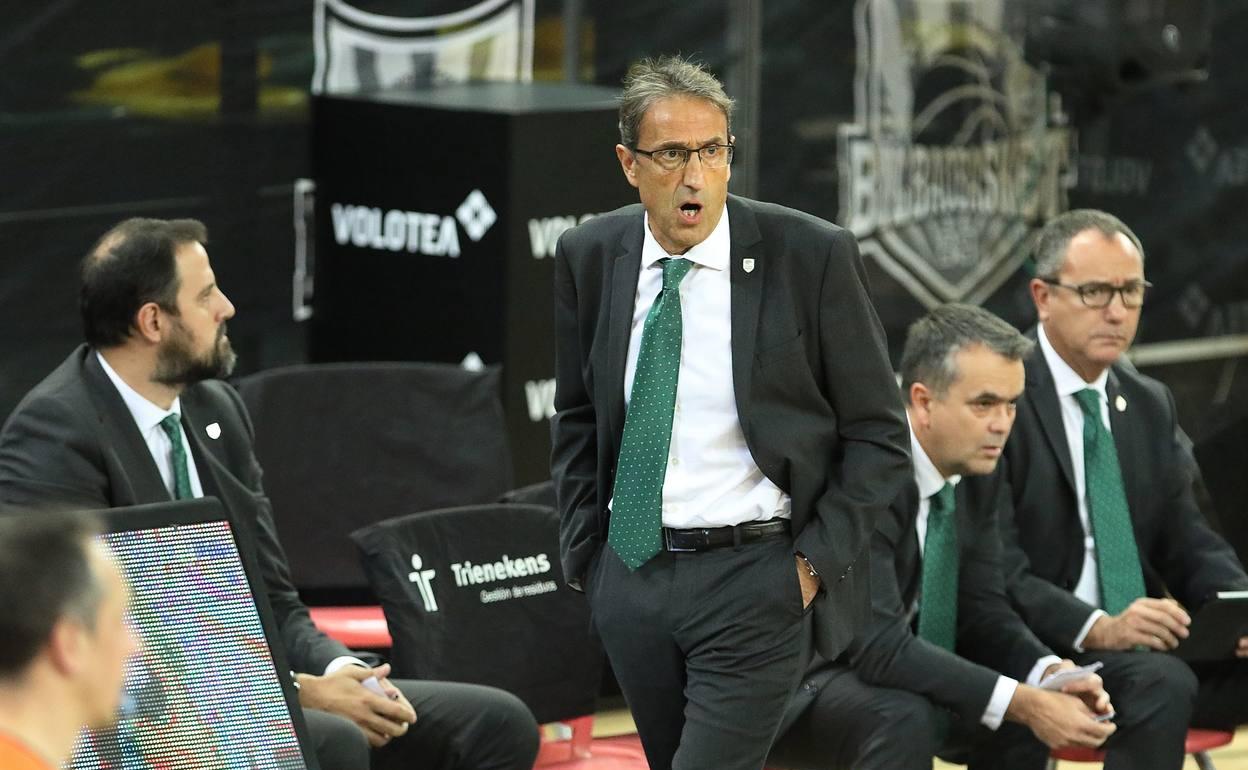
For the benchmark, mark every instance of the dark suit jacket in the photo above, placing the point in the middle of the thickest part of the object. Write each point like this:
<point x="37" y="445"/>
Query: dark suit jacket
<point x="72" y="442"/>
<point x="1040" y="526"/>
<point x="815" y="393"/>
<point x="991" y="638"/>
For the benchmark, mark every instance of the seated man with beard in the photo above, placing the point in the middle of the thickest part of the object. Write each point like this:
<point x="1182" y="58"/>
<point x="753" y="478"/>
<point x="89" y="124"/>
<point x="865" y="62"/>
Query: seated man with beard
<point x="139" y="415"/>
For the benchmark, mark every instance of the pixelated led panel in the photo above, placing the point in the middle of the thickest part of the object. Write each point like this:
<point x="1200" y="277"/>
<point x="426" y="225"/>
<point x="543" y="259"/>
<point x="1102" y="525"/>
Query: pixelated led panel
<point x="202" y="692"/>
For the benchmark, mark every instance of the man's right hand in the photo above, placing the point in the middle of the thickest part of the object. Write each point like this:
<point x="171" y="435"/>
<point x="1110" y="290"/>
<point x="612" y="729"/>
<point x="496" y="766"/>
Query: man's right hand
<point x="1058" y="719"/>
<point x="1158" y="624"/>
<point x="344" y="694"/>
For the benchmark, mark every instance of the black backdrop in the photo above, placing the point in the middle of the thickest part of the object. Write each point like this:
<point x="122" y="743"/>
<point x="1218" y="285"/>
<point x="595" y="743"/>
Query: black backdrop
<point x="109" y="110"/>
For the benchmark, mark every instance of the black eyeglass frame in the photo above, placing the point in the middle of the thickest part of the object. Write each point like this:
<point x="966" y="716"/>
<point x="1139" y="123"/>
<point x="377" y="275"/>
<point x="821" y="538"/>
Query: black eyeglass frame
<point x="1084" y="290"/>
<point x="730" y="152"/>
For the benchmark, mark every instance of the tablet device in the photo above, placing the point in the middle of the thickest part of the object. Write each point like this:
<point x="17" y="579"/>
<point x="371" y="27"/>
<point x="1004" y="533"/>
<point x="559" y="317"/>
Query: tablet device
<point x="1216" y="628"/>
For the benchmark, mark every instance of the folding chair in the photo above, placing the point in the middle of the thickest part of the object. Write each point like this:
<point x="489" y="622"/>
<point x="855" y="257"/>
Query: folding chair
<point x="345" y="445"/>
<point x="476" y="594"/>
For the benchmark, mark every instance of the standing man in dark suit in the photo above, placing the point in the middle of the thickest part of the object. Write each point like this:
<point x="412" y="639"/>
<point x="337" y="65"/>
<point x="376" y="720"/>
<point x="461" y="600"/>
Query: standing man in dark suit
<point x="139" y="415"/>
<point x="727" y="431"/>
<point x="943" y="640"/>
<point x="1106" y="552"/>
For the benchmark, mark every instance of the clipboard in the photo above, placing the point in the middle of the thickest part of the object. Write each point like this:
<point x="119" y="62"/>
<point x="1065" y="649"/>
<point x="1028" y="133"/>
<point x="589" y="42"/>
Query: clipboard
<point x="1215" y="629"/>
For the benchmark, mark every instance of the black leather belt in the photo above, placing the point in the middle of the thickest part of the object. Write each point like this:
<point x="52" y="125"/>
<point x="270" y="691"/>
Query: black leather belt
<point x="721" y="537"/>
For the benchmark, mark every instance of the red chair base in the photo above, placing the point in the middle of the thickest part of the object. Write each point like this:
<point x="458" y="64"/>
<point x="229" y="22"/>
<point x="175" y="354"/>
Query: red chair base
<point x="1197" y="741"/>
<point x="583" y="752"/>
<point x="356" y="627"/>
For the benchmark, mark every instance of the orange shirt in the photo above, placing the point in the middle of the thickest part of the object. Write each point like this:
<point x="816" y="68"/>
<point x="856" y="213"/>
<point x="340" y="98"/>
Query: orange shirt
<point x="15" y="755"/>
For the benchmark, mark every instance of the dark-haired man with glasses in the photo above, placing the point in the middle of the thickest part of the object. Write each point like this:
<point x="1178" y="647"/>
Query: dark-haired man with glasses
<point x="1107" y="554"/>
<point x="728" y="430"/>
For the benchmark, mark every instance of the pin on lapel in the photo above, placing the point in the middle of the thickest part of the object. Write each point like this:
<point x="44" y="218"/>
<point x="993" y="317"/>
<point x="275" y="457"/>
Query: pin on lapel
<point x="1120" y="404"/>
<point x="213" y="430"/>
<point x="747" y="264"/>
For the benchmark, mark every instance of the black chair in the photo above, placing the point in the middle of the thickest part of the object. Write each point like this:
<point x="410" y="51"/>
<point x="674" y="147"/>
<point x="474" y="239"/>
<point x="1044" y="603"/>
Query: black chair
<point x="476" y="594"/>
<point x="344" y="445"/>
<point x="541" y="493"/>
<point x="1222" y="452"/>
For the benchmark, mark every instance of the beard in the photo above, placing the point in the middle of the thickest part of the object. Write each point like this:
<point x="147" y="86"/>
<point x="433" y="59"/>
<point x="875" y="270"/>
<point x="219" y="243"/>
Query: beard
<point x="178" y="366"/>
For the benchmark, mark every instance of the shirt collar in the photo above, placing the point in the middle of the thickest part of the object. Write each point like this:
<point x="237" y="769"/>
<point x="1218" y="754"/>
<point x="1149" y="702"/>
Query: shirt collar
<point x="146" y="414"/>
<point x="712" y="252"/>
<point x="926" y="476"/>
<point x="1065" y="379"/>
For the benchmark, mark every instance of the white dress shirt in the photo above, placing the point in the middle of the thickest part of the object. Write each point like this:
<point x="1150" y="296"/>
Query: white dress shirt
<point x="147" y="416"/>
<point x="1068" y="383"/>
<point x="929" y="482"/>
<point x="711" y="478"/>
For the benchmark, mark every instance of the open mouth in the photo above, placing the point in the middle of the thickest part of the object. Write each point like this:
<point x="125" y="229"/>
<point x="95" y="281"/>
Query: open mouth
<point x="690" y="212"/>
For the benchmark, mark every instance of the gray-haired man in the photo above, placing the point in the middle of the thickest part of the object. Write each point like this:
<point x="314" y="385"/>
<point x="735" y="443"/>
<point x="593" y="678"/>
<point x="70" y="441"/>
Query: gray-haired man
<point x="727" y="432"/>
<point x="944" y="648"/>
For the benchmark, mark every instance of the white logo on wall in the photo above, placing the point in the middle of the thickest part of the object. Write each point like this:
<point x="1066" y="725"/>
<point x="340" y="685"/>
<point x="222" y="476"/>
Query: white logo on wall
<point x="1223" y="167"/>
<point x="358" y="50"/>
<point x="544" y="233"/>
<point x="953" y="159"/>
<point x="476" y="215"/>
<point x="423" y="578"/>
<point x="539" y="395"/>
<point x="369" y="227"/>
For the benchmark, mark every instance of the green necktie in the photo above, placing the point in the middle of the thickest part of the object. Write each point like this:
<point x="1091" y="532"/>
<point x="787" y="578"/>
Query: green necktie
<point x="181" y="476"/>
<point x="938" y="610"/>
<point x="1117" y="559"/>
<point x="637" y="507"/>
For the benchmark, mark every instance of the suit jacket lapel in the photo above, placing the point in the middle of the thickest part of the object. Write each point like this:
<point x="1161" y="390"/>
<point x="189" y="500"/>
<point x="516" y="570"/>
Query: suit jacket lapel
<point x="624" y="271"/>
<point x="747" y="289"/>
<point x="124" y="438"/>
<point x="205" y="462"/>
<point x="1127" y="436"/>
<point x="214" y="477"/>
<point x="1042" y="395"/>
<point x="905" y="512"/>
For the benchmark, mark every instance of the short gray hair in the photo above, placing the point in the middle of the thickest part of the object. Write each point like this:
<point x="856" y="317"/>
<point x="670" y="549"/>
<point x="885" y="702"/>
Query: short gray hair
<point x="650" y="80"/>
<point x="934" y="341"/>
<point x="1054" y="239"/>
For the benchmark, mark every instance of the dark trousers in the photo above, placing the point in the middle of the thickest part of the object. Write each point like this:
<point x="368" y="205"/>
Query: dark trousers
<point x="1156" y="697"/>
<point x="706" y="647"/>
<point x="851" y="724"/>
<point x="458" y="727"/>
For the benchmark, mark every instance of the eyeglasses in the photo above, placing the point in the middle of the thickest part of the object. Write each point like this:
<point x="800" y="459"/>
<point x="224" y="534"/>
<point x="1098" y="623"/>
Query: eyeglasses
<point x="674" y="158"/>
<point x="1099" y="295"/>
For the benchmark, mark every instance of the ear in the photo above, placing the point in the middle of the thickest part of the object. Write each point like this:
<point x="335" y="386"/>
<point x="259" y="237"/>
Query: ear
<point x="921" y="398"/>
<point x="628" y="162"/>
<point x="1041" y="292"/>
<point x="151" y="322"/>
<point x="65" y="645"/>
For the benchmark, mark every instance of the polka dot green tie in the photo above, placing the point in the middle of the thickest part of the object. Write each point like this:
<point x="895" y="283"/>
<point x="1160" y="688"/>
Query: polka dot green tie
<point x="637" y="507"/>
<point x="938" y="611"/>
<point x="181" y="476"/>
<point x="1117" y="558"/>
